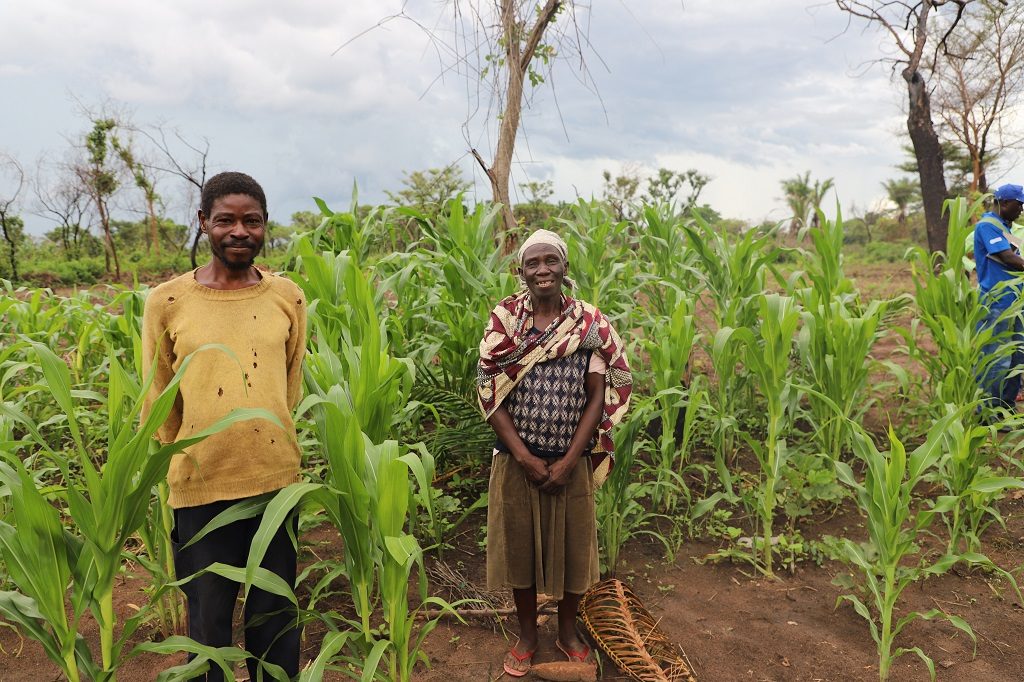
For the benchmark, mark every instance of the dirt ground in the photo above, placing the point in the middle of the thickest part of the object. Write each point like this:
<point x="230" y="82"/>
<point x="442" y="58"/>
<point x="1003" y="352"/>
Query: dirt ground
<point x="732" y="625"/>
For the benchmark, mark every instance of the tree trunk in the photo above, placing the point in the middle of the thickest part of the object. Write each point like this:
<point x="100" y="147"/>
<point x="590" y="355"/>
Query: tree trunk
<point x="975" y="185"/>
<point x="517" y="61"/>
<point x="928" y="152"/>
<point x="195" y="246"/>
<point x="154" y="237"/>
<point x="12" y="248"/>
<point x="502" y="167"/>
<point x="109" y="239"/>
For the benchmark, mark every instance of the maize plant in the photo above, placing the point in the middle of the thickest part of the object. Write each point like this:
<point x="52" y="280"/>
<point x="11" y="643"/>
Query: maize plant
<point x="400" y="554"/>
<point x="351" y="345"/>
<point x="366" y="497"/>
<point x="948" y="308"/>
<point x="340" y="298"/>
<point x="823" y="264"/>
<point x="471" y="275"/>
<point x="620" y="510"/>
<point x="834" y="346"/>
<point x="972" y="483"/>
<point x="669" y="274"/>
<point x="353" y="231"/>
<point x="601" y="260"/>
<point x="668" y="365"/>
<point x="894" y="524"/>
<point x="105" y="506"/>
<point x="766" y="355"/>
<point x="835" y="340"/>
<point x="732" y="270"/>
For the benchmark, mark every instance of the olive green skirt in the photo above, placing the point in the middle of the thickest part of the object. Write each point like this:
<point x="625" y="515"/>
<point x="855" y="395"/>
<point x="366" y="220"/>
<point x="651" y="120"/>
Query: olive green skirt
<point x="537" y="539"/>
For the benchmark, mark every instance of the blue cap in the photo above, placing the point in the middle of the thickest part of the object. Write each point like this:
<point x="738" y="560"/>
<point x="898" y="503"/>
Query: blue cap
<point x="1009" y="192"/>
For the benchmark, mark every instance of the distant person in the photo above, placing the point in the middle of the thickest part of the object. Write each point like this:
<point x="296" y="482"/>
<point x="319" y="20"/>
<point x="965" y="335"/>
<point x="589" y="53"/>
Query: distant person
<point x="1016" y="239"/>
<point x="261" y="318"/>
<point x="1000" y="268"/>
<point x="552" y="381"/>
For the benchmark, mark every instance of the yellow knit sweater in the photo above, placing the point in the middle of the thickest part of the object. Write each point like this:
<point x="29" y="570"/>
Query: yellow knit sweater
<point x="265" y="328"/>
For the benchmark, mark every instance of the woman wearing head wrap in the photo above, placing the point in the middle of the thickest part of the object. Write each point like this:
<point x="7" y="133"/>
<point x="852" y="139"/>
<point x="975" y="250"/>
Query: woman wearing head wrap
<point x="552" y="381"/>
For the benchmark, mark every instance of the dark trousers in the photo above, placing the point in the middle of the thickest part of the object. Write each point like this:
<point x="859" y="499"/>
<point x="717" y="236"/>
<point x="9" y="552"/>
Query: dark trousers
<point x="271" y="631"/>
<point x="999" y="379"/>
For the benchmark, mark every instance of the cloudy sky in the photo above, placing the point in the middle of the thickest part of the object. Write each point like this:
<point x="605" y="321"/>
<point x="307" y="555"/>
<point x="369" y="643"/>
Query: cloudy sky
<point x="747" y="91"/>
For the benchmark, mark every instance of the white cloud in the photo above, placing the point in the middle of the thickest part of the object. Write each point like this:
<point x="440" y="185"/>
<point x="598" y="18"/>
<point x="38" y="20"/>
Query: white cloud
<point x="750" y="92"/>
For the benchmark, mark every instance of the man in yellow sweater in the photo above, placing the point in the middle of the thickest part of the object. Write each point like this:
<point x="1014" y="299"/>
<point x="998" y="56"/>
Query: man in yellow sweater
<point x="261" y="317"/>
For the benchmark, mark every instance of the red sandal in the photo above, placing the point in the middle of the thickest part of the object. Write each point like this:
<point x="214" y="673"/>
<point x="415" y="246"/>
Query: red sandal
<point x="584" y="656"/>
<point x="514" y="668"/>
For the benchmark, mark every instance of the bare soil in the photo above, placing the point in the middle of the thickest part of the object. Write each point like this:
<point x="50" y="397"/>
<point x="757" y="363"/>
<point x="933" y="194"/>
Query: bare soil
<point x="733" y="625"/>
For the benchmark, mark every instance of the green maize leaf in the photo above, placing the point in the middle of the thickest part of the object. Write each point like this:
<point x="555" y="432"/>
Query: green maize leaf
<point x="332" y="643"/>
<point x="272" y="671"/>
<point x="403" y="548"/>
<point x="995" y="484"/>
<point x="11" y="412"/>
<point x="23" y="611"/>
<point x="709" y="503"/>
<point x="943" y="504"/>
<point x="954" y="620"/>
<point x="277" y="512"/>
<point x="322" y="205"/>
<point x="373" y="660"/>
<point x="863" y="611"/>
<point x="261" y="578"/>
<point x="118" y="388"/>
<point x="845" y="474"/>
<point x="34" y="547"/>
<point x="244" y="509"/>
<point x="134" y="506"/>
<point x="327" y="499"/>
<point x="855" y="554"/>
<point x="162" y="405"/>
<point x="920" y="654"/>
<point x="223" y="657"/>
<point x="58" y="379"/>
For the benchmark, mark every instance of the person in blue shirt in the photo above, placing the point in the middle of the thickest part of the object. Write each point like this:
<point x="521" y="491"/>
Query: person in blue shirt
<point x="1000" y="272"/>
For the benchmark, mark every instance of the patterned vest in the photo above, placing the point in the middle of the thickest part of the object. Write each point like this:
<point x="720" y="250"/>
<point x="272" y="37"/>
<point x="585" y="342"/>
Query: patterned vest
<point x="547" y="403"/>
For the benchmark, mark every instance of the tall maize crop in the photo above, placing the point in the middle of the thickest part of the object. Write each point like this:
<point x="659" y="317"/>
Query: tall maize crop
<point x="740" y="391"/>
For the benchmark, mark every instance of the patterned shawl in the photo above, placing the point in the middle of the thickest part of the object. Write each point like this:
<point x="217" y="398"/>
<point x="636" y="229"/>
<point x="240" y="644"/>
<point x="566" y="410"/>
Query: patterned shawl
<point x="508" y="352"/>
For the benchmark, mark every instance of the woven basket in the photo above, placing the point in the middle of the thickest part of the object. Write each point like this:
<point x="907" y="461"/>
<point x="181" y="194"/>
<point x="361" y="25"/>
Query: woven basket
<point x="628" y="634"/>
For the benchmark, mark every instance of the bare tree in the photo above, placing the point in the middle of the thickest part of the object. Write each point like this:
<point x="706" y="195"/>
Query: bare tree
<point x="907" y="23"/>
<point x="620" y="192"/>
<point x="192" y="171"/>
<point x="979" y="80"/>
<point x="520" y="27"/>
<point x="505" y="49"/>
<point x="67" y="204"/>
<point x="10" y="223"/>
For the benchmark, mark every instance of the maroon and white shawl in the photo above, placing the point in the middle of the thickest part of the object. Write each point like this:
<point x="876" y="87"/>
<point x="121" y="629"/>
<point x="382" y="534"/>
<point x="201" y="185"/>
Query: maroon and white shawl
<point x="508" y="352"/>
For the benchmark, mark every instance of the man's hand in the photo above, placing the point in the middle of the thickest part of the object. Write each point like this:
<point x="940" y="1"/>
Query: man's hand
<point x="1010" y="260"/>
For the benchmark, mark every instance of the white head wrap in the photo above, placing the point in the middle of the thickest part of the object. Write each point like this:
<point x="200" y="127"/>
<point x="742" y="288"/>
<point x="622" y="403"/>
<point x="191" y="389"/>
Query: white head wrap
<point x="543" y="236"/>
